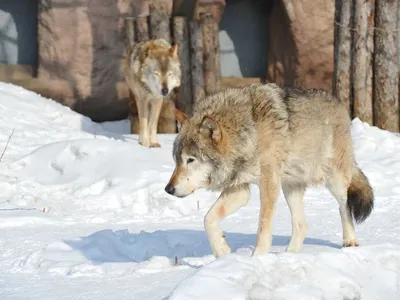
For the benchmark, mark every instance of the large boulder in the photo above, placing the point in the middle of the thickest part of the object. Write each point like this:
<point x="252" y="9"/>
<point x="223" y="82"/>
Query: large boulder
<point x="301" y="43"/>
<point x="81" y="47"/>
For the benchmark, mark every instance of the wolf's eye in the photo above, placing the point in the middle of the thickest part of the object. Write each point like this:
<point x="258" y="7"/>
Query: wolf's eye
<point x="157" y="73"/>
<point x="190" y="160"/>
<point x="169" y="74"/>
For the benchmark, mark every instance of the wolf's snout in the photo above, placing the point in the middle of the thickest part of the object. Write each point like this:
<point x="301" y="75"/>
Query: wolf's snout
<point x="164" y="91"/>
<point x="170" y="189"/>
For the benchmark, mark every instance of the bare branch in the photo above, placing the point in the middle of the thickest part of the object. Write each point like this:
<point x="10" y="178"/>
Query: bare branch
<point x="8" y="141"/>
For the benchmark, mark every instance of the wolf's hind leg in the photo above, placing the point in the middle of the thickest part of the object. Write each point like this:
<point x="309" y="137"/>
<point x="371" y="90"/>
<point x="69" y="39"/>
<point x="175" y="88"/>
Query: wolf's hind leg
<point x="230" y="200"/>
<point x="294" y="193"/>
<point x="339" y="190"/>
<point x="154" y="115"/>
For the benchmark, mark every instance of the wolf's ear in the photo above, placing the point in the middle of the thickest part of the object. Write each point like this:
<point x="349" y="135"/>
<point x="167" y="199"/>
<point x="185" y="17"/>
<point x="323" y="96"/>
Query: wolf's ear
<point x="152" y="47"/>
<point x="180" y="116"/>
<point x="173" y="51"/>
<point x="210" y="128"/>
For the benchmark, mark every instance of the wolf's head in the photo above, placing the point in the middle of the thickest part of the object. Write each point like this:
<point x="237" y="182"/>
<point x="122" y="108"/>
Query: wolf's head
<point x="161" y="70"/>
<point x="199" y="156"/>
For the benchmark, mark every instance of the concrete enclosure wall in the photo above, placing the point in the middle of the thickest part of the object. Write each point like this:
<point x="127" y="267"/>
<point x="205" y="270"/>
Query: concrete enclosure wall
<point x="18" y="32"/>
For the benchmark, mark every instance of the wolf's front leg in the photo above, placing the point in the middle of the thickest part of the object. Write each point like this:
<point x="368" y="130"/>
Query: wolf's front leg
<point x="143" y="113"/>
<point x="154" y="115"/>
<point x="230" y="200"/>
<point x="269" y="191"/>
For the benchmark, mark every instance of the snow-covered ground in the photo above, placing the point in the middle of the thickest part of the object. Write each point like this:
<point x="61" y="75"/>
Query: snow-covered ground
<point x="84" y="215"/>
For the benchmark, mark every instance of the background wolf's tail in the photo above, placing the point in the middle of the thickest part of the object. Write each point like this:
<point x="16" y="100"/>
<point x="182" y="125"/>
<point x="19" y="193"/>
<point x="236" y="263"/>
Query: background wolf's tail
<point x="360" y="196"/>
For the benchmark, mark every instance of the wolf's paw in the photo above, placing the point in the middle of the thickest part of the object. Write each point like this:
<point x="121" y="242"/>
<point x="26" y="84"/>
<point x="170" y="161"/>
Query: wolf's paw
<point x="350" y="243"/>
<point x="155" y="145"/>
<point x="260" y="250"/>
<point x="145" y="144"/>
<point x="221" y="248"/>
<point x="293" y="248"/>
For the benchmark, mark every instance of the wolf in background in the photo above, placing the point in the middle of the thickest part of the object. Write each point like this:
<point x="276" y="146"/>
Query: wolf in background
<point x="276" y="138"/>
<point x="152" y="70"/>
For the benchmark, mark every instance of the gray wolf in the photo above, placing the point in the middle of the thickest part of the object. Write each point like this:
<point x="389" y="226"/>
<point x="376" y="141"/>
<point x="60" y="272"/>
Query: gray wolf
<point x="275" y="138"/>
<point x="152" y="70"/>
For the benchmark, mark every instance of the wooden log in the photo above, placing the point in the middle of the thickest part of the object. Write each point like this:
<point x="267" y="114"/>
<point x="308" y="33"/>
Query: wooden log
<point x="386" y="74"/>
<point x="196" y="60"/>
<point x="217" y="52"/>
<point x="130" y="30"/>
<point x="363" y="58"/>
<point x="212" y="78"/>
<point x="142" y="29"/>
<point x="140" y="8"/>
<point x="181" y="36"/>
<point x="160" y="19"/>
<point x="398" y="46"/>
<point x="140" y="11"/>
<point x="160" y="13"/>
<point x="141" y="35"/>
<point x="341" y="85"/>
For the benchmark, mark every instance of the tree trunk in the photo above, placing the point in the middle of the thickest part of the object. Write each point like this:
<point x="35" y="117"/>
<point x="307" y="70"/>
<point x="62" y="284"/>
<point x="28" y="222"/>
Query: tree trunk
<point x="141" y="35"/>
<point x="196" y="60"/>
<point x="181" y="36"/>
<point x="341" y="86"/>
<point x="386" y="76"/>
<point x="362" y="64"/>
<point x="212" y="69"/>
<point x="160" y="12"/>
<point x="398" y="49"/>
<point x="130" y="30"/>
<point x="160" y="20"/>
<point x="142" y="29"/>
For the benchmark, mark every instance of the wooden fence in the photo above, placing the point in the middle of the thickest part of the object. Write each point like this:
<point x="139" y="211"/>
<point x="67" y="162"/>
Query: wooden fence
<point x="367" y="60"/>
<point x="198" y="53"/>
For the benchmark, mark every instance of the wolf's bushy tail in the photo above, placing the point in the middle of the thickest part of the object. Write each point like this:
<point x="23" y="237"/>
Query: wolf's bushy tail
<point x="360" y="196"/>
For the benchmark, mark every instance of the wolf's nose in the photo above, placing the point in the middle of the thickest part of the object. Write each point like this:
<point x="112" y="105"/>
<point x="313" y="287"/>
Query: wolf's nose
<point x="170" y="189"/>
<point x="164" y="91"/>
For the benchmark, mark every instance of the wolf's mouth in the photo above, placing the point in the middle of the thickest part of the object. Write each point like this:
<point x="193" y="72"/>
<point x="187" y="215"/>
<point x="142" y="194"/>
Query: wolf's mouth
<point x="184" y="196"/>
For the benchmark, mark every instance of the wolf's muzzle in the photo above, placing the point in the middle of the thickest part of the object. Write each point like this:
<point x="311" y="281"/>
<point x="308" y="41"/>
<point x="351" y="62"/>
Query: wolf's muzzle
<point x="170" y="189"/>
<point x="164" y="91"/>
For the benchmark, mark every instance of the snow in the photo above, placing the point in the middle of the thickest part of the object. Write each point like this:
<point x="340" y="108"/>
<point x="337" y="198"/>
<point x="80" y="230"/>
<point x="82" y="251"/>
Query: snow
<point x="84" y="215"/>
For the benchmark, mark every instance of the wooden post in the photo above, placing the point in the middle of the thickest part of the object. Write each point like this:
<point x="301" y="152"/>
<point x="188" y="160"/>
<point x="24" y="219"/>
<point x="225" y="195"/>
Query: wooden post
<point x="130" y="30"/>
<point x="142" y="29"/>
<point x="212" y="70"/>
<point x="386" y="74"/>
<point x="140" y="9"/>
<point x="160" y="13"/>
<point x="141" y="34"/>
<point x="398" y="48"/>
<point x="196" y="60"/>
<point x="363" y="58"/>
<point x="181" y="36"/>
<point x="341" y="85"/>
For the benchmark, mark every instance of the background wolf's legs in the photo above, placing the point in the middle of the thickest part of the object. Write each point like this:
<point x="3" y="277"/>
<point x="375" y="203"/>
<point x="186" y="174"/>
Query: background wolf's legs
<point x="294" y="197"/>
<point x="154" y="115"/>
<point x="339" y="190"/>
<point x="143" y="113"/>
<point x="230" y="200"/>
